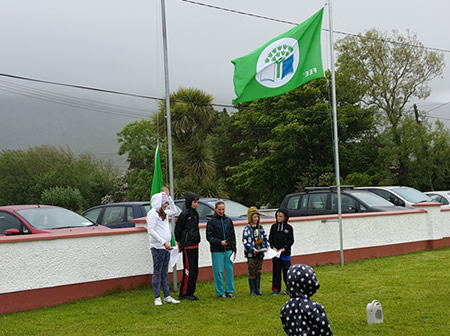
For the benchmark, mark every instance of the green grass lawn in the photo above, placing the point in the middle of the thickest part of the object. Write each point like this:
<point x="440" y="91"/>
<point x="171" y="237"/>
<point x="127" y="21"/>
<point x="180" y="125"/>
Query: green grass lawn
<point x="414" y="291"/>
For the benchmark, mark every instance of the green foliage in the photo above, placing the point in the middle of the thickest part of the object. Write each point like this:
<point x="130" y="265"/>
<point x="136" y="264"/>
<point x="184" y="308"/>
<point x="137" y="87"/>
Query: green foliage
<point x="192" y="118"/>
<point x="25" y="174"/>
<point x="390" y="74"/>
<point x="425" y="150"/>
<point x="286" y="142"/>
<point x="65" y="197"/>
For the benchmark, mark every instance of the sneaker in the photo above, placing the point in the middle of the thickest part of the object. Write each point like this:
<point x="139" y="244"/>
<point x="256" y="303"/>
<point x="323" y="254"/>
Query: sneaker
<point x="275" y="292"/>
<point x="158" y="302"/>
<point x="169" y="299"/>
<point x="222" y="296"/>
<point x="229" y="295"/>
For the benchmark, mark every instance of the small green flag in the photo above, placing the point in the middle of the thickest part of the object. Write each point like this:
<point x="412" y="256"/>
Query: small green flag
<point x="282" y="64"/>
<point x="157" y="182"/>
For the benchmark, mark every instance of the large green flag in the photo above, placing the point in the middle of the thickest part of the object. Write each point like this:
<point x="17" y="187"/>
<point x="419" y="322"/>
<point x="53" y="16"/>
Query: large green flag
<point x="282" y="64"/>
<point x="157" y="182"/>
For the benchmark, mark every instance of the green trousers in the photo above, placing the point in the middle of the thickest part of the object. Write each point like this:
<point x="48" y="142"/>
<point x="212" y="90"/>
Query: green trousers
<point x="223" y="272"/>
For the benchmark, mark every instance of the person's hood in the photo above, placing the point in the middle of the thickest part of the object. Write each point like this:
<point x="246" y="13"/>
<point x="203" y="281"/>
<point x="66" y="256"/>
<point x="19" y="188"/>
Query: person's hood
<point x="157" y="201"/>
<point x="286" y="213"/>
<point x="190" y="196"/>
<point x="251" y="211"/>
<point x="302" y="281"/>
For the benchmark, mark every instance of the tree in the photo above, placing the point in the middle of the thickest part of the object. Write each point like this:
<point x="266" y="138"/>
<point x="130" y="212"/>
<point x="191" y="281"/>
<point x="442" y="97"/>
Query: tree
<point x="390" y="70"/>
<point x="65" y="197"/>
<point x="25" y="174"/>
<point x="192" y="118"/>
<point x="285" y="143"/>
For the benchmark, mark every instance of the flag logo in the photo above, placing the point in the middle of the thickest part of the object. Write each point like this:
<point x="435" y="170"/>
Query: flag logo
<point x="278" y="63"/>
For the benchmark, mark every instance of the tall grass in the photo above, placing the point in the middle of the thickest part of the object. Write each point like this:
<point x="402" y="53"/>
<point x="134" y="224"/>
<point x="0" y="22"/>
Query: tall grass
<point x="414" y="291"/>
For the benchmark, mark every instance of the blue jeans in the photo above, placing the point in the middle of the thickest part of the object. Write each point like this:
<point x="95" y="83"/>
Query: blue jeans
<point x="160" y="276"/>
<point x="223" y="268"/>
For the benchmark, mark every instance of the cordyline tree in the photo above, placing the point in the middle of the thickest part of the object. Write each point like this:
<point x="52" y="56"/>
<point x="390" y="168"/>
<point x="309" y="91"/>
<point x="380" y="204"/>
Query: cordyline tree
<point x="390" y="71"/>
<point x="192" y="117"/>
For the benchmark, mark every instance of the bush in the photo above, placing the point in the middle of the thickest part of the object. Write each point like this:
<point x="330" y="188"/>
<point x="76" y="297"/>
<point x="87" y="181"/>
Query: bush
<point x="65" y="197"/>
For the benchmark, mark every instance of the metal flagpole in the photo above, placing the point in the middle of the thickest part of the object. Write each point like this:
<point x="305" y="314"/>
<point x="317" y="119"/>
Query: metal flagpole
<point x="335" y="132"/>
<point x="169" y="127"/>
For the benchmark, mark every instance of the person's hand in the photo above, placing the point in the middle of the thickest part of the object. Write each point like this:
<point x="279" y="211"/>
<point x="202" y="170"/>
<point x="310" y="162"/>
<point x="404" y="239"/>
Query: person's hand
<point x="180" y="248"/>
<point x="283" y="250"/>
<point x="256" y="251"/>
<point x="167" y="246"/>
<point x="224" y="243"/>
<point x="166" y="191"/>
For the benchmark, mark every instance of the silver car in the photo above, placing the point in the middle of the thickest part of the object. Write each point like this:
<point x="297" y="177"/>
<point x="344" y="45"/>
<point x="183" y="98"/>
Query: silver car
<point x="401" y="196"/>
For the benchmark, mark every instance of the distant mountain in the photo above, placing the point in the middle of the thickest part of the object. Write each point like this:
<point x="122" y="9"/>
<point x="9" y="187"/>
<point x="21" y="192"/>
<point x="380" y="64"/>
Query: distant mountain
<point x="84" y="128"/>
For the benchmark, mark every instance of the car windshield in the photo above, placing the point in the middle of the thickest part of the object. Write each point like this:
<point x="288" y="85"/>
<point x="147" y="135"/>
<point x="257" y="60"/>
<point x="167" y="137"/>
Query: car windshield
<point x="145" y="208"/>
<point x="232" y="208"/>
<point x="371" y="199"/>
<point x="53" y="218"/>
<point x="412" y="195"/>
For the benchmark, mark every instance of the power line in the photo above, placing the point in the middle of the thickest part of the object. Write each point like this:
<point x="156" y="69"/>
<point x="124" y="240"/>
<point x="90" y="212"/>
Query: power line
<point x="68" y="103"/>
<point x="296" y="23"/>
<point x="101" y="90"/>
<point x="80" y="87"/>
<point x="71" y="100"/>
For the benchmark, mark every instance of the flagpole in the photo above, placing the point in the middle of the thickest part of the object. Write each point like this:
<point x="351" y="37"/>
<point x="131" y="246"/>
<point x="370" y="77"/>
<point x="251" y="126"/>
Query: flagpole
<point x="335" y="133"/>
<point x="169" y="127"/>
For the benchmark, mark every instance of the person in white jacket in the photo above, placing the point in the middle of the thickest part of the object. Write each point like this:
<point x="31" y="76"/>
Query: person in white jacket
<point x="159" y="235"/>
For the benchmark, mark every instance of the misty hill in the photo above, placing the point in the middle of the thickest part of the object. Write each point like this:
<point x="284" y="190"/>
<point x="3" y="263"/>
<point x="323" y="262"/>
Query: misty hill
<point x="83" y="125"/>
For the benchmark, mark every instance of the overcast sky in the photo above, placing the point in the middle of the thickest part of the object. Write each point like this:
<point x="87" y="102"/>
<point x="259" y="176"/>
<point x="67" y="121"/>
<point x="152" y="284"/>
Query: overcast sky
<point x="117" y="45"/>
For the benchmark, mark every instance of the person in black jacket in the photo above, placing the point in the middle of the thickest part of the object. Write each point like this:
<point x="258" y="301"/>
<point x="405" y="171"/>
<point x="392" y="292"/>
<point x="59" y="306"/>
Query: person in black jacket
<point x="187" y="235"/>
<point x="281" y="238"/>
<point x="222" y="240"/>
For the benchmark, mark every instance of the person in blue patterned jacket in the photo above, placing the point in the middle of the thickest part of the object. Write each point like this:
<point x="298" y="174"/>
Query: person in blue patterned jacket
<point x="300" y="315"/>
<point x="255" y="244"/>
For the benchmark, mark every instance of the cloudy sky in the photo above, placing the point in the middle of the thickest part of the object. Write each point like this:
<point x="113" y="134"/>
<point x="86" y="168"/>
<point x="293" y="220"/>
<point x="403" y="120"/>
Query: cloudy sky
<point x="117" y="45"/>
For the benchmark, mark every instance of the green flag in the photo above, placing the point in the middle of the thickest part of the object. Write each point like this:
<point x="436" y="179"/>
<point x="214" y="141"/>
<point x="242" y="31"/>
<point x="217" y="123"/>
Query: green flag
<point x="282" y="64"/>
<point x="157" y="182"/>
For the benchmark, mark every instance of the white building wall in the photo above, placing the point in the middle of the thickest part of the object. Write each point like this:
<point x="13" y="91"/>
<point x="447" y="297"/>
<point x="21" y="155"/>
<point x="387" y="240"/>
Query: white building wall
<point x="55" y="262"/>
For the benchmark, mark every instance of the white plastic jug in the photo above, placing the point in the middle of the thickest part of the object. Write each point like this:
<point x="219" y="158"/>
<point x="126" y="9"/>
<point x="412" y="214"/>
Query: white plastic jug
<point x="374" y="312"/>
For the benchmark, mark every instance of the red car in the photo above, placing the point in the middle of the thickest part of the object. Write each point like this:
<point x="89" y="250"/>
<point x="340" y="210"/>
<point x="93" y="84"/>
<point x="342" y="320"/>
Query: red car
<point x="26" y="219"/>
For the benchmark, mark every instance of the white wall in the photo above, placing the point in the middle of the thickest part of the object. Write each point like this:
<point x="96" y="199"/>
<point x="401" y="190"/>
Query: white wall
<point x="37" y="264"/>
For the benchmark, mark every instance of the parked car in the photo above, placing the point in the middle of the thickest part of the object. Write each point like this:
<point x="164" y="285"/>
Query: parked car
<point x="205" y="208"/>
<point x="323" y="201"/>
<point x="400" y="196"/>
<point x="32" y="219"/>
<point x="440" y="196"/>
<point x="118" y="215"/>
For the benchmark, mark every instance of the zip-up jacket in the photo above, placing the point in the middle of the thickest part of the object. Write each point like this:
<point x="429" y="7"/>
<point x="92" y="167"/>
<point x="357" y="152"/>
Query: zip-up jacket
<point x="220" y="228"/>
<point x="282" y="235"/>
<point x="186" y="230"/>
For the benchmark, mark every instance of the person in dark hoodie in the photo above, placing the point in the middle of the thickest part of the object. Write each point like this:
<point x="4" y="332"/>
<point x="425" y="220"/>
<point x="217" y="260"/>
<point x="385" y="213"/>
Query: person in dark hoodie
<point x="281" y="238"/>
<point x="300" y="315"/>
<point x="187" y="235"/>
<point x="222" y="239"/>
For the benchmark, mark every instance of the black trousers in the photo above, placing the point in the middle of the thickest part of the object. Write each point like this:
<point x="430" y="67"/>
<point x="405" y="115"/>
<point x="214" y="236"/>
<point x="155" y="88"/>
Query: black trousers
<point x="190" y="271"/>
<point x="278" y="267"/>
